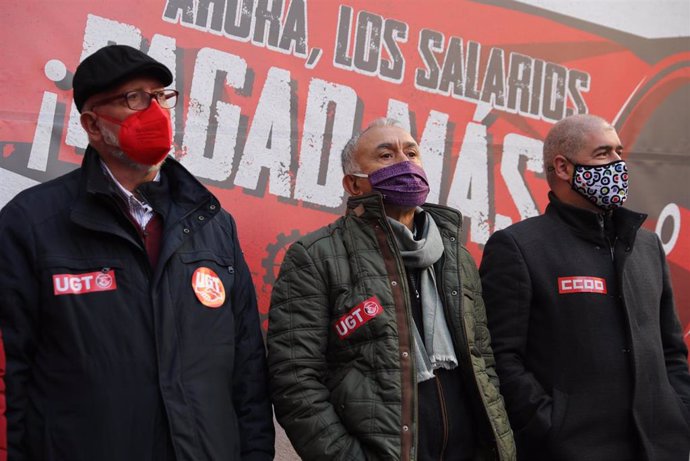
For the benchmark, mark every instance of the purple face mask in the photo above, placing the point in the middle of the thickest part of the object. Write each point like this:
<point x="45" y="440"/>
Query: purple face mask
<point x="402" y="184"/>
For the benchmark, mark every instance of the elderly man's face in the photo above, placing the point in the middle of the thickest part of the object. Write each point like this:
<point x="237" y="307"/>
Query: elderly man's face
<point x="116" y="105"/>
<point x="382" y="146"/>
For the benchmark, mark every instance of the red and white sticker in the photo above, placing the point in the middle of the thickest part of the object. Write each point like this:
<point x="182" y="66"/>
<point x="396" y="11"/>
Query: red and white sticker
<point x="358" y="316"/>
<point x="581" y="284"/>
<point x="78" y="284"/>
<point x="208" y="287"/>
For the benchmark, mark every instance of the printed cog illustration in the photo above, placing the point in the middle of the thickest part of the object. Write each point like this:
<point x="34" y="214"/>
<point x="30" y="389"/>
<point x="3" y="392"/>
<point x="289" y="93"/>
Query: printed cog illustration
<point x="271" y="264"/>
<point x="275" y="253"/>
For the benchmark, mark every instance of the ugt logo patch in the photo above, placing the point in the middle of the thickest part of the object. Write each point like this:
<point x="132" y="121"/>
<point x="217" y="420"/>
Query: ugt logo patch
<point x="78" y="284"/>
<point x="358" y="316"/>
<point x="208" y="287"/>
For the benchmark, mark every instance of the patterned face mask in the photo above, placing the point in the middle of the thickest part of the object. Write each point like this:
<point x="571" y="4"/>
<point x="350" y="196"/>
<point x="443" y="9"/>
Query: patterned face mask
<point x="606" y="186"/>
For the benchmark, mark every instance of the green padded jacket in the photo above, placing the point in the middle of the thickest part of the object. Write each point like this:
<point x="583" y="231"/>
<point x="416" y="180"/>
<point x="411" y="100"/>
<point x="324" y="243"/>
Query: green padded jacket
<point x="342" y="368"/>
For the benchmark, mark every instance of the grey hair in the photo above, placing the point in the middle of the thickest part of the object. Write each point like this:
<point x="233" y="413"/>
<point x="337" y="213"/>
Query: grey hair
<point x="568" y="137"/>
<point x="347" y="157"/>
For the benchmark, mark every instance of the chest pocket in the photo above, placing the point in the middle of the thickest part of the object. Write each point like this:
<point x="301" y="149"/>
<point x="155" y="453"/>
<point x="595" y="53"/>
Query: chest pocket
<point x="66" y="277"/>
<point x="211" y="276"/>
<point x="205" y="300"/>
<point x="81" y="300"/>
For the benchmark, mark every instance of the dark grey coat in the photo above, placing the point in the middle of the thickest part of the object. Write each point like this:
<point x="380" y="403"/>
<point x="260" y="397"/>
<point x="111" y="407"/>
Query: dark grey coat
<point x="594" y="375"/>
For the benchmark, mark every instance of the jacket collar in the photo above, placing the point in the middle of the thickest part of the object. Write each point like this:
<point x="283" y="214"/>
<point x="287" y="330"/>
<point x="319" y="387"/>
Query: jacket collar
<point x="594" y="226"/>
<point x="367" y="207"/>
<point x="185" y="204"/>
<point x="176" y="195"/>
<point x="371" y="207"/>
<point x="177" y="185"/>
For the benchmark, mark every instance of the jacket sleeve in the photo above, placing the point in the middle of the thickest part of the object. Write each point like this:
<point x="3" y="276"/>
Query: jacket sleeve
<point x="675" y="351"/>
<point x="3" y="420"/>
<point x="481" y="333"/>
<point x="508" y="295"/>
<point x="297" y="343"/>
<point x="251" y="399"/>
<point x="18" y="320"/>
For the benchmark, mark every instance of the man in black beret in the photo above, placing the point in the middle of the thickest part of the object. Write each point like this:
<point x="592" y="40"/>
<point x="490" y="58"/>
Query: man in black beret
<point x="127" y="311"/>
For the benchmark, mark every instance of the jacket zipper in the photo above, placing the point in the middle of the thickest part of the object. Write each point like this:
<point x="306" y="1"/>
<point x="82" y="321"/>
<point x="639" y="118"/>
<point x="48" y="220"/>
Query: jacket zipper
<point x="468" y="363"/>
<point x="405" y="287"/>
<point x="612" y="245"/>
<point x="619" y="280"/>
<point x="444" y="417"/>
<point x="439" y="387"/>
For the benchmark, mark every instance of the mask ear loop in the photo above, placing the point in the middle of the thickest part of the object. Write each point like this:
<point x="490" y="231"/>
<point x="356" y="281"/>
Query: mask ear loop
<point x="572" y="176"/>
<point x="359" y="175"/>
<point x="108" y="118"/>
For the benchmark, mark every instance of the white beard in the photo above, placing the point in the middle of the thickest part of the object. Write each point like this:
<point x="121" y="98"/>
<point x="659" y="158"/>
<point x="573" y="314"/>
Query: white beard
<point x="111" y="140"/>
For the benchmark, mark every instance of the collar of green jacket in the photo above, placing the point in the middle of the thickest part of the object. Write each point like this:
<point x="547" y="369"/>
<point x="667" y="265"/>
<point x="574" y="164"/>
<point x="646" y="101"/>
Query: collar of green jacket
<point x="371" y="207"/>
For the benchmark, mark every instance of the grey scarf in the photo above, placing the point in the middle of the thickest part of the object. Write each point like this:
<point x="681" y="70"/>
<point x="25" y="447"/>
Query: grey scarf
<point x="422" y="254"/>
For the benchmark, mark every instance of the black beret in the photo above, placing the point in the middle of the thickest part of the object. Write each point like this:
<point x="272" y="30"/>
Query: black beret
<point x="111" y="66"/>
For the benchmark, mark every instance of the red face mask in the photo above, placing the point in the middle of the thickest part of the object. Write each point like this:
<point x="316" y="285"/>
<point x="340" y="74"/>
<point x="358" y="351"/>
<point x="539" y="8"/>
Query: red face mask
<point x="146" y="136"/>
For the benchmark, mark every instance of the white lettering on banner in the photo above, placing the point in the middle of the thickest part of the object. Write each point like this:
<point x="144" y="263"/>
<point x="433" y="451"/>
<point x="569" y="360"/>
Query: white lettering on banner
<point x="98" y="33"/>
<point x="516" y="147"/>
<point x="77" y="284"/>
<point x="372" y="34"/>
<point x="163" y="49"/>
<point x="531" y="87"/>
<point x="327" y="104"/>
<point x="40" y="148"/>
<point x="369" y="44"/>
<point x="581" y="284"/>
<point x="493" y="86"/>
<point x="11" y="184"/>
<point x="358" y="316"/>
<point x="670" y="212"/>
<point x="469" y="188"/>
<point x="432" y="144"/>
<point x="265" y="23"/>
<point x="309" y="169"/>
<point x="218" y="166"/>
<point x="268" y="143"/>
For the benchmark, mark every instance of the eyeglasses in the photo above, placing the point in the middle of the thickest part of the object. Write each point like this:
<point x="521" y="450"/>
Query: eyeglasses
<point x="141" y="100"/>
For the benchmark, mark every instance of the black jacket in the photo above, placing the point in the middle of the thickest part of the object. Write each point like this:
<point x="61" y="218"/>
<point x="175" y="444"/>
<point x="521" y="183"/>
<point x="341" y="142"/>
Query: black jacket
<point x="588" y="345"/>
<point x="134" y="367"/>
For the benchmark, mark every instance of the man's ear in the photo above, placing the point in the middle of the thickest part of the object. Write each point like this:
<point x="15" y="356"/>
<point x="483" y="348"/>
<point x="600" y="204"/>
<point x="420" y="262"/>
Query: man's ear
<point x="561" y="167"/>
<point x="350" y="185"/>
<point x="88" y="122"/>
